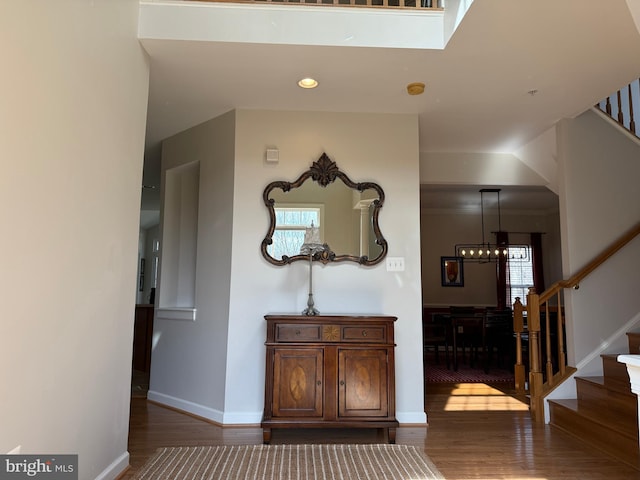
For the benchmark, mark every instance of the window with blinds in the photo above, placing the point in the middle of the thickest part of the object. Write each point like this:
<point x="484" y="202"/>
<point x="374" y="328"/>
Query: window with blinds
<point x="519" y="274"/>
<point x="291" y="223"/>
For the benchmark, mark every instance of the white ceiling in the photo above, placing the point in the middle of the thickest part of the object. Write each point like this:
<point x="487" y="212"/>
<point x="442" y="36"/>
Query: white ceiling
<point x="573" y="52"/>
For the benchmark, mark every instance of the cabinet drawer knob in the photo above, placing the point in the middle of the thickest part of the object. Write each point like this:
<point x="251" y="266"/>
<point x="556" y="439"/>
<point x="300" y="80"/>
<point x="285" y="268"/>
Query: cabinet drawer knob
<point x="298" y="332"/>
<point x="364" y="333"/>
<point x="319" y="382"/>
<point x="342" y="383"/>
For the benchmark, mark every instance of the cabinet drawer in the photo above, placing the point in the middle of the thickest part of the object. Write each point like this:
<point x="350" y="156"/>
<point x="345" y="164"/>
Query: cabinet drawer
<point x="364" y="333"/>
<point x="298" y="333"/>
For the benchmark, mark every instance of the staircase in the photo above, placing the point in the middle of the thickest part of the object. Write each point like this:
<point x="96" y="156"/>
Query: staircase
<point x="605" y="414"/>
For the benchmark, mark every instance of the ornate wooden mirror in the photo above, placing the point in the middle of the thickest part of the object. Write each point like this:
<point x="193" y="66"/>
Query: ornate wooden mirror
<point x="342" y="212"/>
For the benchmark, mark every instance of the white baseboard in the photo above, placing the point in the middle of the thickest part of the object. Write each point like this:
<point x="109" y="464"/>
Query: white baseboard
<point x="187" y="406"/>
<point x="414" y="418"/>
<point x="248" y="418"/>
<point x="117" y="467"/>
<point x="235" y="418"/>
<point x="223" y="418"/>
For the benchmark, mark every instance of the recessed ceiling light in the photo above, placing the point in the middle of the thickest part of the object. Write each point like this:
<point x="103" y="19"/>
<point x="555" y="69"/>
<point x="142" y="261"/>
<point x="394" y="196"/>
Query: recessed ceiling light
<point x="308" y="83"/>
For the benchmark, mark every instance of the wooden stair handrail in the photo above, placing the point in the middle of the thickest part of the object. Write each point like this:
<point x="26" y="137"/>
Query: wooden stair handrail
<point x="538" y="386"/>
<point x="575" y="279"/>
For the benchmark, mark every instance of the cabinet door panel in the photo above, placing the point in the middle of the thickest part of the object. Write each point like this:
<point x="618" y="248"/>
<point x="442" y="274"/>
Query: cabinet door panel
<point x="362" y="384"/>
<point x="298" y="382"/>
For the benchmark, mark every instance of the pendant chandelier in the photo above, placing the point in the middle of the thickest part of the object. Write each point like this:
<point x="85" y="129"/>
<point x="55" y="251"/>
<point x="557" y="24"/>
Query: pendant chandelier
<point x="487" y="252"/>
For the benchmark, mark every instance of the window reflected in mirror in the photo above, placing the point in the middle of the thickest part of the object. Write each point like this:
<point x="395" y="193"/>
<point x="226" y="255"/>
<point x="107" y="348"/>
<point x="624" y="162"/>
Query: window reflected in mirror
<point x="292" y="221"/>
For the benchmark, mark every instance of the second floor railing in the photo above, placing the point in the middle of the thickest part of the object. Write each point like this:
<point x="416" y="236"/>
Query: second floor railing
<point x="420" y="4"/>
<point x="623" y="106"/>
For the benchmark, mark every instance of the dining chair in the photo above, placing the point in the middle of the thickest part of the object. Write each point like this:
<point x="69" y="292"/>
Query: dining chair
<point x="468" y="333"/>
<point x="498" y="334"/>
<point x="436" y="335"/>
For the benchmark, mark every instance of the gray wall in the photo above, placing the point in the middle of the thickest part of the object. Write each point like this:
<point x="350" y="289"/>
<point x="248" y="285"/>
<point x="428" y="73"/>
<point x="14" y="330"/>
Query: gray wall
<point x="73" y="120"/>
<point x="215" y="366"/>
<point x="600" y="201"/>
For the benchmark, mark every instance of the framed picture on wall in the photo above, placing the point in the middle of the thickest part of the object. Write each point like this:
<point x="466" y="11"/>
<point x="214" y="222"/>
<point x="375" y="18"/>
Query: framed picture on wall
<point x="452" y="271"/>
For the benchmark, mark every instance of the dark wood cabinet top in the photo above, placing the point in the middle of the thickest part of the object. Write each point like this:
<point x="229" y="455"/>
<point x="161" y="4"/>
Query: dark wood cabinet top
<point x="371" y="329"/>
<point x="300" y="318"/>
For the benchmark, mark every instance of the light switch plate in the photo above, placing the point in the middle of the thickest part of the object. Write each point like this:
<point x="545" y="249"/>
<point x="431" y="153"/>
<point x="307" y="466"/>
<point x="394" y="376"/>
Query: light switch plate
<point x="395" y="264"/>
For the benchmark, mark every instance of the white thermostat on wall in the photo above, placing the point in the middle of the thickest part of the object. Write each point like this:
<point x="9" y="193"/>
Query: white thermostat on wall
<point x="273" y="155"/>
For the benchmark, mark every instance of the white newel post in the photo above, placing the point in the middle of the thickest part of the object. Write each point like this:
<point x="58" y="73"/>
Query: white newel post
<point x="633" y="367"/>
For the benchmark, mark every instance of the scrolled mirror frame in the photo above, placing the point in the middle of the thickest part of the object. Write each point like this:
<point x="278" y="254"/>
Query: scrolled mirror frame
<point x="324" y="171"/>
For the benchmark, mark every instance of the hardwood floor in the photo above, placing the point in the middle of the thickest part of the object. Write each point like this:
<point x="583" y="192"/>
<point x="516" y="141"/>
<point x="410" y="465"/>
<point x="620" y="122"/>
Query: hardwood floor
<point x="474" y="432"/>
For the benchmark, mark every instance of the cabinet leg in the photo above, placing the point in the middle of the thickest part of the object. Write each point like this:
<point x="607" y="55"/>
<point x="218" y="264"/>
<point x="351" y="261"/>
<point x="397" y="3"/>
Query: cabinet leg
<point x="266" y="436"/>
<point x="391" y="433"/>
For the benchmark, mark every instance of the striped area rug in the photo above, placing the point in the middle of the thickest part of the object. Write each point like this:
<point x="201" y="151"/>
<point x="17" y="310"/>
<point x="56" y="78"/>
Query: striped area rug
<point x="290" y="462"/>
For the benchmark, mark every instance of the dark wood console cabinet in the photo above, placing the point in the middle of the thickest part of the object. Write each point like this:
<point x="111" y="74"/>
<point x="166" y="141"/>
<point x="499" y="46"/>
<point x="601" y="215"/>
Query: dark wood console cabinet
<point x="329" y="371"/>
